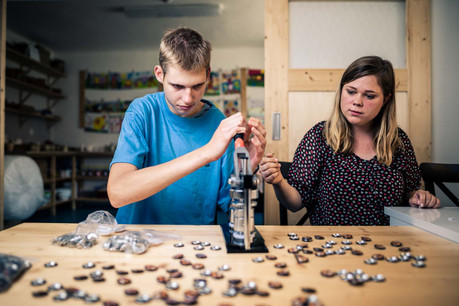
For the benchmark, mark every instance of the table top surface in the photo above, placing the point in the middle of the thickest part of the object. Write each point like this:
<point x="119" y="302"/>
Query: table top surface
<point x="404" y="285"/>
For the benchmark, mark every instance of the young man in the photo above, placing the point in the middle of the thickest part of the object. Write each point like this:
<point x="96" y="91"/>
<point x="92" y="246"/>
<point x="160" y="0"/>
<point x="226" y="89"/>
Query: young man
<point x="173" y="157"/>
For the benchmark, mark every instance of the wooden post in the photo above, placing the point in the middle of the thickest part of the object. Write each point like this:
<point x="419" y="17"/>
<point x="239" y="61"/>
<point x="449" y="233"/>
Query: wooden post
<point x="74" y="181"/>
<point x="2" y="108"/>
<point x="82" y="97"/>
<point x="276" y="91"/>
<point x="418" y="50"/>
<point x="243" y="72"/>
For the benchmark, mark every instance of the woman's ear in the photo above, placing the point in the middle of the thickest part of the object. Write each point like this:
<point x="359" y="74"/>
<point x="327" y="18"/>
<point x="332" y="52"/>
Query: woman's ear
<point x="387" y="98"/>
<point x="159" y="73"/>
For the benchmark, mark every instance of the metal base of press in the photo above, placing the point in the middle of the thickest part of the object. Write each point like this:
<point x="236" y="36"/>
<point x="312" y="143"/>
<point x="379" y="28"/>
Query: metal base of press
<point x="257" y="246"/>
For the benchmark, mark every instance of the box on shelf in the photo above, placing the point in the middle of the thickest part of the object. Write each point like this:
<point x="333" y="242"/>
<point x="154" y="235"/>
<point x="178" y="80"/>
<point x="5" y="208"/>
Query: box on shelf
<point x="45" y="55"/>
<point x="58" y="64"/>
<point x="63" y="194"/>
<point x="87" y="193"/>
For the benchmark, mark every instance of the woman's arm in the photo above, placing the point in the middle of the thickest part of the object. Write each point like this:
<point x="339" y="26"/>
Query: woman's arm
<point x="286" y="194"/>
<point x="423" y="199"/>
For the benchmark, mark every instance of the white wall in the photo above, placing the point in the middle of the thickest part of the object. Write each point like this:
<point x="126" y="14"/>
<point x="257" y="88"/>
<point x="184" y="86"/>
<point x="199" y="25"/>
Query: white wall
<point x="329" y="34"/>
<point x="445" y="89"/>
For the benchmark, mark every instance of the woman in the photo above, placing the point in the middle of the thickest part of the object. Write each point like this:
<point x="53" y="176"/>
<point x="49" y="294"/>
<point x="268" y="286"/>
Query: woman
<point x="347" y="169"/>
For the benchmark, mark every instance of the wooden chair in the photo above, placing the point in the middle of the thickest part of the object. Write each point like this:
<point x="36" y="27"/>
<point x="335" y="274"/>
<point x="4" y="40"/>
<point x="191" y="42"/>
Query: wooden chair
<point x="285" y="166"/>
<point x="438" y="174"/>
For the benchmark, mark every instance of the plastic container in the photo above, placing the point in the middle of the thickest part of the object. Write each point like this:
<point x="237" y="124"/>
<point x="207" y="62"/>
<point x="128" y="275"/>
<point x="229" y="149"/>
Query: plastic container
<point x="63" y="194"/>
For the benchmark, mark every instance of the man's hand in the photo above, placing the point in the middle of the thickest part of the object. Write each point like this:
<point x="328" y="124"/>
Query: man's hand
<point x="256" y="144"/>
<point x="222" y="137"/>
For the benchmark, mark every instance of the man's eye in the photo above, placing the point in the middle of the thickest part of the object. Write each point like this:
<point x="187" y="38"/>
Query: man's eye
<point x="197" y="86"/>
<point x="177" y="86"/>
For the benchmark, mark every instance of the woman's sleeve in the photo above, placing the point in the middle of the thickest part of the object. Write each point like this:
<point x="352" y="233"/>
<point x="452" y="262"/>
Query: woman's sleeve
<point x="412" y="174"/>
<point x="304" y="173"/>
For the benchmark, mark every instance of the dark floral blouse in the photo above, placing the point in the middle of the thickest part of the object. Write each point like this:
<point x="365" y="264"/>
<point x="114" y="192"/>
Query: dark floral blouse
<point x="341" y="189"/>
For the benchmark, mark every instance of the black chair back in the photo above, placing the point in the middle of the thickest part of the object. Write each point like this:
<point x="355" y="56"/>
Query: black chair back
<point x="438" y="174"/>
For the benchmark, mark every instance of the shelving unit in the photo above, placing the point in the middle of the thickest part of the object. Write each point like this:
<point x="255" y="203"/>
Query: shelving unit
<point x="26" y="90"/>
<point x="50" y="119"/>
<point x="20" y="58"/>
<point x="241" y="96"/>
<point x="51" y="178"/>
<point x="100" y="177"/>
<point x="48" y="162"/>
<point x="33" y="89"/>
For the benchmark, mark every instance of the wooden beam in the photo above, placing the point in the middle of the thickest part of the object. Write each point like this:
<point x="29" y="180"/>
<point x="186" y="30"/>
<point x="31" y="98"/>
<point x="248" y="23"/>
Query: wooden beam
<point x="82" y="98"/>
<point x="244" y="72"/>
<point x="2" y="108"/>
<point x="276" y="90"/>
<point x="328" y="79"/>
<point x="418" y="49"/>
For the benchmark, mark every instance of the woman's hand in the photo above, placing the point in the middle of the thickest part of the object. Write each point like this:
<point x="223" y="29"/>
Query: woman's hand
<point x="270" y="169"/>
<point x="424" y="199"/>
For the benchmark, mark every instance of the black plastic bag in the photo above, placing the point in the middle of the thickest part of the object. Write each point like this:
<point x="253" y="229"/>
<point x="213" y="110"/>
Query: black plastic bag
<point x="11" y="267"/>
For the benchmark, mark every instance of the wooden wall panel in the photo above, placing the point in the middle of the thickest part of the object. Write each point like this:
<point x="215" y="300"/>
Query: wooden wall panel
<point x="418" y="46"/>
<point x="402" y="111"/>
<point x="308" y="108"/>
<point x="328" y="79"/>
<point x="305" y="110"/>
<point x="276" y="89"/>
<point x="304" y="87"/>
<point x="2" y="107"/>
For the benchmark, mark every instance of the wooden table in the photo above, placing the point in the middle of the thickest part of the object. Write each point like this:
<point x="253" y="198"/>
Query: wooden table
<point x="436" y="284"/>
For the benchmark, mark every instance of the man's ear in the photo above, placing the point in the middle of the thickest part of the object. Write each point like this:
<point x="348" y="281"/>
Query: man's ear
<point x="159" y="73"/>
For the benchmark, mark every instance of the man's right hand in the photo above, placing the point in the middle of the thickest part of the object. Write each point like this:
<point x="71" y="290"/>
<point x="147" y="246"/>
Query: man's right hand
<point x="222" y="137"/>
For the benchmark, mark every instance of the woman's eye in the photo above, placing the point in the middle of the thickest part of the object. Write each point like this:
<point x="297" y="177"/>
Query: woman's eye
<point x="370" y="97"/>
<point x="350" y="92"/>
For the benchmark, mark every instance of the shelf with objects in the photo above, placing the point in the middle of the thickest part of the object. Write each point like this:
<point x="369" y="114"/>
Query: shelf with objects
<point x="22" y="76"/>
<point x="91" y="176"/>
<point x="105" y="96"/>
<point x="64" y="174"/>
<point x="239" y="90"/>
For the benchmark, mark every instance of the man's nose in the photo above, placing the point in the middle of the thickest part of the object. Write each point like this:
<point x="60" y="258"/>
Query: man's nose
<point x="187" y="96"/>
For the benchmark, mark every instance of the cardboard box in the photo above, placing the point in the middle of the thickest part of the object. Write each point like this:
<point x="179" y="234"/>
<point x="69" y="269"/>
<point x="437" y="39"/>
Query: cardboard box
<point x="45" y="55"/>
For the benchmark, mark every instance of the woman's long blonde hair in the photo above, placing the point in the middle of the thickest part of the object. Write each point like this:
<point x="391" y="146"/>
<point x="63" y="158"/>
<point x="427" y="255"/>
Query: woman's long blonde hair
<point x="338" y="131"/>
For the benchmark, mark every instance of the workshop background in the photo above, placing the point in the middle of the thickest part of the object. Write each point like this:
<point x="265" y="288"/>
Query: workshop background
<point x="68" y="125"/>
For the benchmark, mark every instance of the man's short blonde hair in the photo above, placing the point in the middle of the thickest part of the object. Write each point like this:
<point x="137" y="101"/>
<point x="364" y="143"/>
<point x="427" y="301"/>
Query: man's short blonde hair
<point x="184" y="48"/>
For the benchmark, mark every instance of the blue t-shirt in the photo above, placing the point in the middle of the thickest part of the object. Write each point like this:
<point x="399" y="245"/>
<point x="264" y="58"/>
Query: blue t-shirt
<point x="150" y="135"/>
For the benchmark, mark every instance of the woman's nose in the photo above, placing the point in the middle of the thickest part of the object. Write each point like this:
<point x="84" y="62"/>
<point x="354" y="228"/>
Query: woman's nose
<point x="358" y="100"/>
